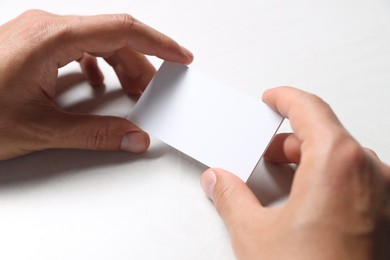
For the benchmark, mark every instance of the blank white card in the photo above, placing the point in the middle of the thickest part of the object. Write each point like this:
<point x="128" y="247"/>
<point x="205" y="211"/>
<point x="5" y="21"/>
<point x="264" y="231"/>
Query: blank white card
<point x="205" y="119"/>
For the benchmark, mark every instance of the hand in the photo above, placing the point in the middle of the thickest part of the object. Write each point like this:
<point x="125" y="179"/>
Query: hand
<point x="34" y="45"/>
<point x="338" y="204"/>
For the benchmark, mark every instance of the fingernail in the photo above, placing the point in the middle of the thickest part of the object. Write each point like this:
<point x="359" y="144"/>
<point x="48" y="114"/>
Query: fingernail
<point x="135" y="142"/>
<point x="208" y="183"/>
<point x="187" y="53"/>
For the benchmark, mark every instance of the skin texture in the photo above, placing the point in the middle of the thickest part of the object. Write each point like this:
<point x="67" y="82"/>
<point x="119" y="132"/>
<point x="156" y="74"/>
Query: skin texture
<point x="36" y="44"/>
<point x="338" y="207"/>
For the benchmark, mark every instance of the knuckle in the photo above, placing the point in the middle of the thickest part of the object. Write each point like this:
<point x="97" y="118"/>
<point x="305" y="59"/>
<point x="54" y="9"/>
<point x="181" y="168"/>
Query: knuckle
<point x="347" y="160"/>
<point x="125" y="20"/>
<point x="316" y="98"/>
<point x="352" y="153"/>
<point x="33" y="13"/>
<point x="37" y="26"/>
<point x="324" y="106"/>
<point x="99" y="138"/>
<point x="318" y="101"/>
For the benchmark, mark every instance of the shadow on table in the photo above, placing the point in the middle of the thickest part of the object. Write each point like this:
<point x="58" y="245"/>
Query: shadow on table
<point x="271" y="182"/>
<point x="99" y="96"/>
<point x="40" y="166"/>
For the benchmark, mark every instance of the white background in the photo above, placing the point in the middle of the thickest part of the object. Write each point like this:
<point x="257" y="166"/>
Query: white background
<point x="96" y="205"/>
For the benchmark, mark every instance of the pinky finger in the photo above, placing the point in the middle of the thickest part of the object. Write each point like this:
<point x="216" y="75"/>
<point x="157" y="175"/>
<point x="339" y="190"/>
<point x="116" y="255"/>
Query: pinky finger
<point x="91" y="70"/>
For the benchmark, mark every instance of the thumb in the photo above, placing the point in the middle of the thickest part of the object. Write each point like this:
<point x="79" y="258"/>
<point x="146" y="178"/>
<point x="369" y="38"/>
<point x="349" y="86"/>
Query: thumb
<point x="234" y="201"/>
<point x="92" y="132"/>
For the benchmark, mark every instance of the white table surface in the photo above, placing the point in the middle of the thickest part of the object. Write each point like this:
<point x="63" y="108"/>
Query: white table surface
<point x="68" y="204"/>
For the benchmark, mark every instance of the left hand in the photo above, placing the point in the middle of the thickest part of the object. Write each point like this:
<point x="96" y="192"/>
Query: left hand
<point x="36" y="44"/>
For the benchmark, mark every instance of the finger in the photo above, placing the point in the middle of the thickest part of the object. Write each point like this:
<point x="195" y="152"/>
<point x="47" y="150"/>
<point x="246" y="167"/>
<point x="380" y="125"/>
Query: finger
<point x="104" y="34"/>
<point x="371" y="153"/>
<point x="93" y="132"/>
<point x="285" y="148"/>
<point x="133" y="69"/>
<point x="385" y="169"/>
<point x="386" y="173"/>
<point x="309" y="115"/>
<point x="91" y="70"/>
<point x="232" y="198"/>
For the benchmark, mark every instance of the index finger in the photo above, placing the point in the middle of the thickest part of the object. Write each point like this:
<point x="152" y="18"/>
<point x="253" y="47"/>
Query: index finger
<point x="309" y="115"/>
<point x="104" y="34"/>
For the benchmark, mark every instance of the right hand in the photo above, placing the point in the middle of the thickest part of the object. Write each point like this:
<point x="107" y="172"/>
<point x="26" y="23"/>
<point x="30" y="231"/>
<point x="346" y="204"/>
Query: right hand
<point x="338" y="207"/>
